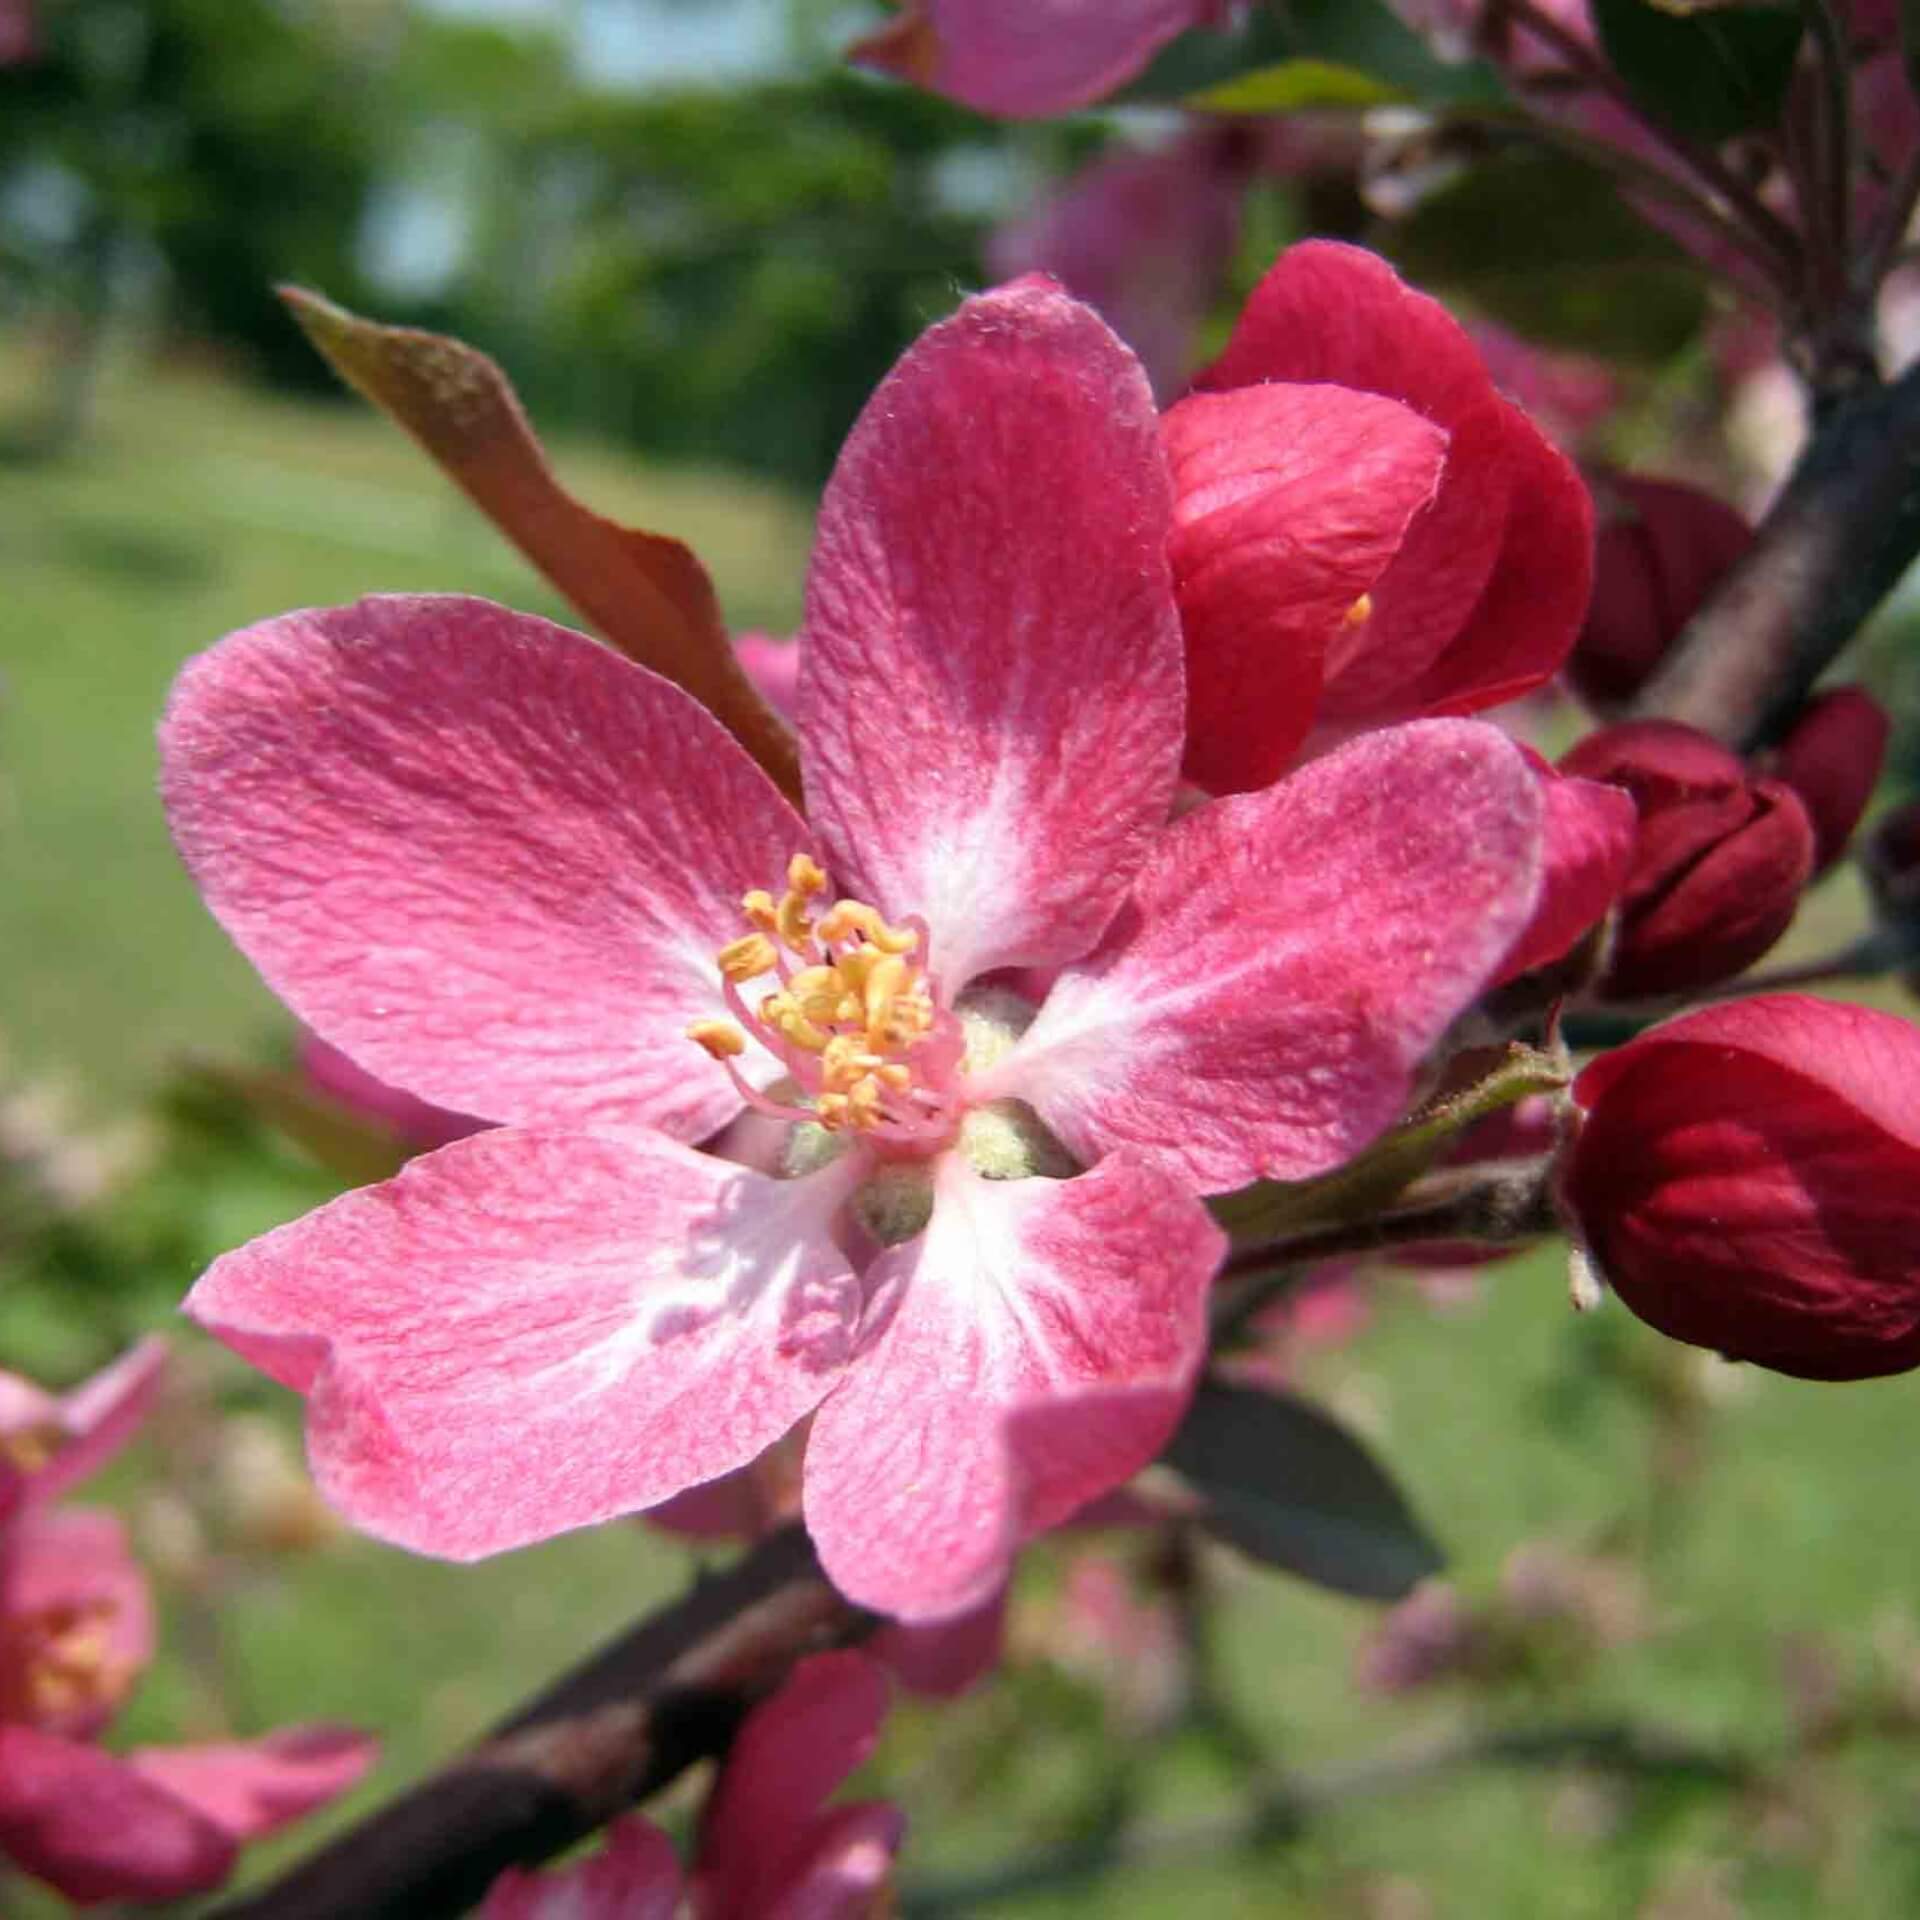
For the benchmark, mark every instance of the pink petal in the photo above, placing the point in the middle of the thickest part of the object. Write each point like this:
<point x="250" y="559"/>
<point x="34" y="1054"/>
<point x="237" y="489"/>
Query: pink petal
<point x="633" y="1876"/>
<point x="1589" y="830"/>
<point x="1290" y="501"/>
<point x="88" y="1425"/>
<point x="486" y="857"/>
<point x="990" y="685"/>
<point x="947" y="1657"/>
<point x="1288" y="959"/>
<point x="537" y="1329"/>
<point x="1332" y="312"/>
<point x="247" y="1788"/>
<point x="92" y="1827"/>
<point x="1082" y="1298"/>
<point x="1524" y="625"/>
<point x="774" y="668"/>
<point x="845" y="1873"/>
<point x="791" y="1754"/>
<point x="1026" y="59"/>
<point x="73" y="1599"/>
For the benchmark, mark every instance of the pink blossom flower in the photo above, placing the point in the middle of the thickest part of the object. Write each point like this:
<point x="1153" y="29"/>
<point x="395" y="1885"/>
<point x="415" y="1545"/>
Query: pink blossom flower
<point x="506" y="869"/>
<point x="1366" y="530"/>
<point x="1026" y="59"/>
<point x="770" y="1847"/>
<point x="50" y="1442"/>
<point x="1145" y="238"/>
<point x="76" y="1631"/>
<point x="19" y="39"/>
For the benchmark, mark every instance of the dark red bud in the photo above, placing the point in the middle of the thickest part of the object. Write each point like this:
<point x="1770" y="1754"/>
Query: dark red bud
<point x="1832" y="760"/>
<point x="1661" y="549"/>
<point x="1890" y="859"/>
<point x="1719" y="864"/>
<point x="1748" y="1179"/>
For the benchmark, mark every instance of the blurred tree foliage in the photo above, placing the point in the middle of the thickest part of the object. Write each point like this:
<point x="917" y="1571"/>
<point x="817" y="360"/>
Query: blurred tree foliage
<point x="721" y="274"/>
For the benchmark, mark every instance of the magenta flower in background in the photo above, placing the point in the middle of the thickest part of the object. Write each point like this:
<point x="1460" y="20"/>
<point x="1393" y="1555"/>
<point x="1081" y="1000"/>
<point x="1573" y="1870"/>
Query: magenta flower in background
<point x="1367" y="531"/>
<point x="19" y="39"/>
<point x="1145" y="238"/>
<point x="770" y="1847"/>
<point x="76" y="1632"/>
<point x="507" y="870"/>
<point x="52" y="1441"/>
<point x="1026" y="59"/>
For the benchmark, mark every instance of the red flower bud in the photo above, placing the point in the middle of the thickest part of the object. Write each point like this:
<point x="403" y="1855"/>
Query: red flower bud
<point x="1832" y="760"/>
<point x="1748" y="1179"/>
<point x="1890" y="859"/>
<point x="1718" y="865"/>
<point x="1659" y="552"/>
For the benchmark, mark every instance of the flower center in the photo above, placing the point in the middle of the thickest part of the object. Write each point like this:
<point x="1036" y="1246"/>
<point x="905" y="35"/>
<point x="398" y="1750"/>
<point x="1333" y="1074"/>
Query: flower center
<point x="30" y="1448"/>
<point x="66" y="1664"/>
<point x="851" y="1012"/>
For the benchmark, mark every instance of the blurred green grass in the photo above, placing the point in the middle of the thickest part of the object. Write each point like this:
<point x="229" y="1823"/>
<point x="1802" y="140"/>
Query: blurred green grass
<point x="198" y="507"/>
<point x="1783" y="1511"/>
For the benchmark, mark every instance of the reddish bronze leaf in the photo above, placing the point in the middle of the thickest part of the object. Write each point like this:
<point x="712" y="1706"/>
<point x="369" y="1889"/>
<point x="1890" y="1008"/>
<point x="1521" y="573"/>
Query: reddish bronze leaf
<point x="648" y="594"/>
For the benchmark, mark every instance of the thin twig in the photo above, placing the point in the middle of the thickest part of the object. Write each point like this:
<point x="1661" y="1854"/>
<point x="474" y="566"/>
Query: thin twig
<point x="1285" y="1807"/>
<point x="669" y="1692"/>
<point x="1835" y="543"/>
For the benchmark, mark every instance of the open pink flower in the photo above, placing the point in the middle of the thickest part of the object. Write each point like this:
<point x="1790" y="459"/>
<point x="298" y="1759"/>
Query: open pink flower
<point x="1368" y="531"/>
<point x="76" y="1632"/>
<point x="50" y="1442"/>
<point x="1026" y="59"/>
<point x="770" y="1847"/>
<point x="506" y="869"/>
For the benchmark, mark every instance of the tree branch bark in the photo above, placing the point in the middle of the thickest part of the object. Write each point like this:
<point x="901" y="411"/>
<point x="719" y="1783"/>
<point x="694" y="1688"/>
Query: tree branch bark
<point x="1834" y="545"/>
<point x="670" y="1691"/>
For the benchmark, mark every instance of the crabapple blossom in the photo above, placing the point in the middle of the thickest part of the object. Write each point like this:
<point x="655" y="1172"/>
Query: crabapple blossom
<point x="515" y="874"/>
<point x="1028" y="58"/>
<point x="1366" y="531"/>
<point x="76" y="1632"/>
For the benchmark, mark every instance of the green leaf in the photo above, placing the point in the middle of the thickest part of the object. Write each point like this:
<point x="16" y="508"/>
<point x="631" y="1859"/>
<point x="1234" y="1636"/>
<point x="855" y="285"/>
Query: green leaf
<point x="1287" y="1485"/>
<point x="1359" y="36"/>
<point x="1290" y="86"/>
<point x="1546" y="245"/>
<point x="1714" y="73"/>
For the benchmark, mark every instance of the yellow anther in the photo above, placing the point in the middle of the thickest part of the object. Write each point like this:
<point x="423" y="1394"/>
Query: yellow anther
<point x="721" y="1038"/>
<point x="831" y="1109"/>
<point x="804" y="877"/>
<point x="759" y="908"/>
<point x="863" y="1102"/>
<point x="885" y="982"/>
<point x="855" y="916"/>
<point x="795" y="928"/>
<point x="1360" y="612"/>
<point x="894" y="1075"/>
<point x="784" y="1018"/>
<point x="845" y="1060"/>
<point x="746" y="958"/>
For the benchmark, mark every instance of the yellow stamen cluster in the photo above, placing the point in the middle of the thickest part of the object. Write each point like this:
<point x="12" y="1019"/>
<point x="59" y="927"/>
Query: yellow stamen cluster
<point x="856" y="1003"/>
<point x="1360" y="612"/>
<point x="28" y="1449"/>
<point x="71" y="1665"/>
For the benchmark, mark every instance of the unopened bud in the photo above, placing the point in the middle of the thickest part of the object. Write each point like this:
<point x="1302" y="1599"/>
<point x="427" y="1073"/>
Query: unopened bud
<point x="1720" y="858"/>
<point x="1832" y="760"/>
<point x="1748" y="1180"/>
<point x="1661" y="549"/>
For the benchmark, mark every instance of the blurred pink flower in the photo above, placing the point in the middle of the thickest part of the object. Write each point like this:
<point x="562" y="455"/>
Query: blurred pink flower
<point x="52" y="1441"/>
<point x="1143" y="236"/>
<point x="515" y="848"/>
<point x="1025" y="59"/>
<point x="19" y="38"/>
<point x="76" y="1631"/>
<point x="770" y="1847"/>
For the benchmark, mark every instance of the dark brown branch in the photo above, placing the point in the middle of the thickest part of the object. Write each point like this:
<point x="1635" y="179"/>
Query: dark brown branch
<point x="1835" y="544"/>
<point x="669" y="1692"/>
